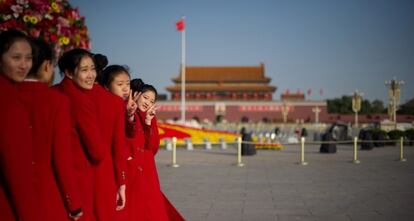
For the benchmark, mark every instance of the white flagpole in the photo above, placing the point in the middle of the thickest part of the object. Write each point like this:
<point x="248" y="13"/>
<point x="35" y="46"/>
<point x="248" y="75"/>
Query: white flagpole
<point x="183" y="73"/>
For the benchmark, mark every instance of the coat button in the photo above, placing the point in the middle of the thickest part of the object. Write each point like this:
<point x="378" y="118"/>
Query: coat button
<point x="33" y="163"/>
<point x="140" y="168"/>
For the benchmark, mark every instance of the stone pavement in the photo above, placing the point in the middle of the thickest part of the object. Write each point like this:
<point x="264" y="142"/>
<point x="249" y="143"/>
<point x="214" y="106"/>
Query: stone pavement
<point x="272" y="186"/>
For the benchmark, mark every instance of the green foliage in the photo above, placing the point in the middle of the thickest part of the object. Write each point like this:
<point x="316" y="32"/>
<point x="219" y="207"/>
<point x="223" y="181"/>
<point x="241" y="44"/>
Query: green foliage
<point x="379" y="135"/>
<point x="343" y="105"/>
<point x="407" y="108"/>
<point x="377" y="106"/>
<point x="409" y="135"/>
<point x="379" y="132"/>
<point x="395" y="134"/>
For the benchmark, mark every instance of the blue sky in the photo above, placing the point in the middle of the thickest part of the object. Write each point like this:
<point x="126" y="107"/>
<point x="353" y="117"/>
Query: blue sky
<point x="334" y="45"/>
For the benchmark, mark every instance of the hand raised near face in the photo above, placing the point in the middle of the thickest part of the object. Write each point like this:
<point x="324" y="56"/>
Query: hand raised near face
<point x="131" y="105"/>
<point x="151" y="112"/>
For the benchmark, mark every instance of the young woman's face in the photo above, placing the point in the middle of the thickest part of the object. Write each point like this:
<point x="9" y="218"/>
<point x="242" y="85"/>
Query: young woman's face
<point x="146" y="100"/>
<point x="85" y="73"/>
<point x="120" y="85"/>
<point x="17" y="61"/>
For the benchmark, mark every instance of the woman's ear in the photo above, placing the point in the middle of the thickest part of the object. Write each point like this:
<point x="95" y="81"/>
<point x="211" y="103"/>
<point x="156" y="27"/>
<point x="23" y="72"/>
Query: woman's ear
<point x="68" y="74"/>
<point x="47" y="66"/>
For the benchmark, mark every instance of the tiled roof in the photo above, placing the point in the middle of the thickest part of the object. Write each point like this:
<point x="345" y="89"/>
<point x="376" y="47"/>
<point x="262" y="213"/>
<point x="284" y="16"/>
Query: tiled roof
<point x="233" y="88"/>
<point x="224" y="74"/>
<point x="296" y="96"/>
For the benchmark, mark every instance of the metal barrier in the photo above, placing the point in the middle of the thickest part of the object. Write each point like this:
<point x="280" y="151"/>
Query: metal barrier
<point x="174" y="153"/>
<point x="239" y="147"/>
<point x="402" y="159"/>
<point x="302" y="152"/>
<point x="356" y="161"/>
<point x="302" y="161"/>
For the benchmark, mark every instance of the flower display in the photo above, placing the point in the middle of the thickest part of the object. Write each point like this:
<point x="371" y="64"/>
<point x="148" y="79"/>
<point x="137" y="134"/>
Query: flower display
<point x="198" y="136"/>
<point x="55" y="21"/>
<point x="195" y="134"/>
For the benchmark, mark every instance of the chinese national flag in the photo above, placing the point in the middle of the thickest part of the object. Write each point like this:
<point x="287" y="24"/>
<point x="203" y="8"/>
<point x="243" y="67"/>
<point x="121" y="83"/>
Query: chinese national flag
<point x="180" y="25"/>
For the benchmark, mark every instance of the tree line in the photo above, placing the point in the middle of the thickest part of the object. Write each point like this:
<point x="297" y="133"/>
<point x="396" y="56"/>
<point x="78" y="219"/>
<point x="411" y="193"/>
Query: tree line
<point x="343" y="105"/>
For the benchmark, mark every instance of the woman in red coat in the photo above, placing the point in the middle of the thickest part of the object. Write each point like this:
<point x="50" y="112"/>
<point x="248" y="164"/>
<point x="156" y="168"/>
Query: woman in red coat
<point x="110" y="173"/>
<point x="158" y="207"/>
<point x="54" y="180"/>
<point x="145" y="200"/>
<point x="88" y="150"/>
<point x="16" y="197"/>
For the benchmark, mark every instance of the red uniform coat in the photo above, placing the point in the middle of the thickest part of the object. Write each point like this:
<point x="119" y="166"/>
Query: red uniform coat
<point x="110" y="173"/>
<point x="86" y="140"/>
<point x="146" y="201"/>
<point x="53" y="171"/>
<point x="16" y="193"/>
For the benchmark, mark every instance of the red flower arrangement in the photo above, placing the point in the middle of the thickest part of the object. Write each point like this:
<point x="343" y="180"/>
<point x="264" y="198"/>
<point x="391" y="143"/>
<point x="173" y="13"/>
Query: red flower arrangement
<point x="55" y="21"/>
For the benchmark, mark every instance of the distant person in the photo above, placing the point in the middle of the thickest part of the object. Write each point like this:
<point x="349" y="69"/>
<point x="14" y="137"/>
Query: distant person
<point x="304" y="132"/>
<point x="366" y="139"/>
<point x="277" y="131"/>
<point x="247" y="148"/>
<point x="328" y="146"/>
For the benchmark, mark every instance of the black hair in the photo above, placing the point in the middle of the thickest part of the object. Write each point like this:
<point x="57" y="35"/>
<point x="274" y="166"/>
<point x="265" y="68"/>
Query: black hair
<point x="42" y="51"/>
<point x="136" y="85"/>
<point x="108" y="74"/>
<point x="101" y="61"/>
<point x="72" y="58"/>
<point x="148" y="87"/>
<point x="7" y="38"/>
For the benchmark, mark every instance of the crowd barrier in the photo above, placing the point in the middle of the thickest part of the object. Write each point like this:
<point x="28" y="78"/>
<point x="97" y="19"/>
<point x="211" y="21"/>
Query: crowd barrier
<point x="208" y="145"/>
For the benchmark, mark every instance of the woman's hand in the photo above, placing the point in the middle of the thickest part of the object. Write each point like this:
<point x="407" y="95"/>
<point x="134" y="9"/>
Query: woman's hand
<point x="76" y="216"/>
<point x="131" y="105"/>
<point x="120" y="198"/>
<point x="150" y="114"/>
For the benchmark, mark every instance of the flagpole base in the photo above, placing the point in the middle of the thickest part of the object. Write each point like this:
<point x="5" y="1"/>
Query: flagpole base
<point x="240" y="164"/>
<point x="403" y="160"/>
<point x="303" y="163"/>
<point x="174" y="165"/>
<point x="356" y="161"/>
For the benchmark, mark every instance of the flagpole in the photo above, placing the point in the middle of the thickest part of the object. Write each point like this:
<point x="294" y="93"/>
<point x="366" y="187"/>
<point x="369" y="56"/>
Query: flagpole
<point x="183" y="75"/>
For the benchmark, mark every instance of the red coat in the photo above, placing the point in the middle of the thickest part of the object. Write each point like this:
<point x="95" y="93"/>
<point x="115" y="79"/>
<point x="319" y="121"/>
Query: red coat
<point x="16" y="193"/>
<point x="54" y="177"/>
<point x="146" y="201"/>
<point x="110" y="173"/>
<point x="86" y="140"/>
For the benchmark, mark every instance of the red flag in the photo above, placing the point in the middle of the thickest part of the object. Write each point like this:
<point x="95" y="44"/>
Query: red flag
<point x="321" y="92"/>
<point x="180" y="25"/>
<point x="309" y="92"/>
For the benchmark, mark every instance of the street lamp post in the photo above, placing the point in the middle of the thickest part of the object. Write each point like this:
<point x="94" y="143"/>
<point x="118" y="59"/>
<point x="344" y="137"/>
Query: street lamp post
<point x="356" y="104"/>
<point x="285" y="112"/>
<point x="394" y="93"/>
<point x="316" y="110"/>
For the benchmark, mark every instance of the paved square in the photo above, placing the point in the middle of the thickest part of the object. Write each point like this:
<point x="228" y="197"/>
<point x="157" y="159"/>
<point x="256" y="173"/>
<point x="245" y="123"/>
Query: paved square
<point x="272" y="186"/>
